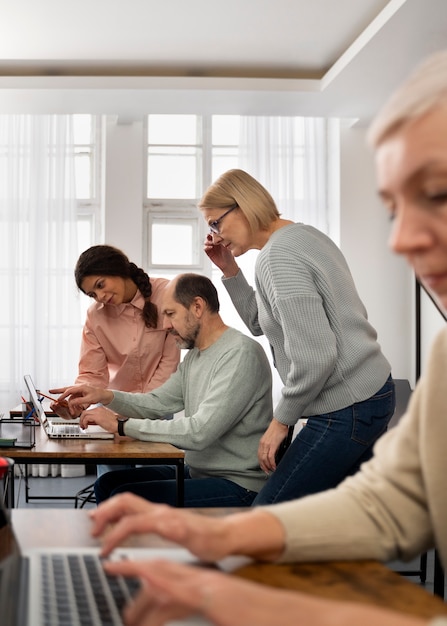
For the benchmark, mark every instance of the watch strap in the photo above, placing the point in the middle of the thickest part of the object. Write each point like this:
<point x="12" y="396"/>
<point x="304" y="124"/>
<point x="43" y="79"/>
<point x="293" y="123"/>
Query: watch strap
<point x="121" y="423"/>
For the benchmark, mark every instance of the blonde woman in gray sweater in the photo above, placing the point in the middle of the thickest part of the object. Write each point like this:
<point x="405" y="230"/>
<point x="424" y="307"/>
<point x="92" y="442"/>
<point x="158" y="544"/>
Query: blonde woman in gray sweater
<point x="324" y="348"/>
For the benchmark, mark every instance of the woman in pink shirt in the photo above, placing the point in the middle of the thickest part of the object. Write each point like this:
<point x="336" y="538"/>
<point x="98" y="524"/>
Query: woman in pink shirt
<point x="124" y="346"/>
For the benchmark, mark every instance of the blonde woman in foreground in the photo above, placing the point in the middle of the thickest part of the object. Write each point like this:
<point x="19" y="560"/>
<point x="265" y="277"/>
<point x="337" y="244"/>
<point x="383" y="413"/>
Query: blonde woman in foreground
<point x="395" y="507"/>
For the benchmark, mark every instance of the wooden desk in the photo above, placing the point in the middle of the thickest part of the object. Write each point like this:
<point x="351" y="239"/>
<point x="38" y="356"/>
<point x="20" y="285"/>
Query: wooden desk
<point x="362" y="581"/>
<point x="118" y="451"/>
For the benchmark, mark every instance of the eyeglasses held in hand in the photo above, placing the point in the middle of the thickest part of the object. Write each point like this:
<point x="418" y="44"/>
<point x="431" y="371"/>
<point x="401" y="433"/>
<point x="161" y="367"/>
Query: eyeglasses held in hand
<point x="214" y="226"/>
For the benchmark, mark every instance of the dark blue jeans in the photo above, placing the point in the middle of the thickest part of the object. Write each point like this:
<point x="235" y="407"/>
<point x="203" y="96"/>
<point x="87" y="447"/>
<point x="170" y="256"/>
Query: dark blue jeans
<point x="157" y="483"/>
<point x="329" y="448"/>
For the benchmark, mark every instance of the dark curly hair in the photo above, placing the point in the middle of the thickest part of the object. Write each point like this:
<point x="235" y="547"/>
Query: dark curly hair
<point x="104" y="260"/>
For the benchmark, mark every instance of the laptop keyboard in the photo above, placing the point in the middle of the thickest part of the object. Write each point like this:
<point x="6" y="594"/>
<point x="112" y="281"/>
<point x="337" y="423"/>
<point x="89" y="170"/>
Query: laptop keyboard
<point x="66" y="429"/>
<point x="77" y="592"/>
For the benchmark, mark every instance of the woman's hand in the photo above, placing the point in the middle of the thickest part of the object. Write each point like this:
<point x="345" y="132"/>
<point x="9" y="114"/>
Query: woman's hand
<point x="255" y="533"/>
<point x="173" y="591"/>
<point x="269" y="444"/>
<point x="220" y="256"/>
<point x="203" y="536"/>
<point x="62" y="410"/>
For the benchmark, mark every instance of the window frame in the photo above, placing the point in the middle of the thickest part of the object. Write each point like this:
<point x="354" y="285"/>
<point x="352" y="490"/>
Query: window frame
<point x="178" y="209"/>
<point x="91" y="210"/>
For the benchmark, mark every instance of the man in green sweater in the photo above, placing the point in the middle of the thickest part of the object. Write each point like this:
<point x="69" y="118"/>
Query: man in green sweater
<point x="223" y="385"/>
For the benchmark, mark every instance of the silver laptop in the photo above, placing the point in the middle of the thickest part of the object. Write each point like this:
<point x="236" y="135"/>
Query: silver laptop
<point x="68" y="586"/>
<point x="57" y="427"/>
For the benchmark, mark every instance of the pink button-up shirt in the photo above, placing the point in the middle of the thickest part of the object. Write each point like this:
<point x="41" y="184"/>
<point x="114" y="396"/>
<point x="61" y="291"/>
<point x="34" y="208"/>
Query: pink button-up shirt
<point x="120" y="352"/>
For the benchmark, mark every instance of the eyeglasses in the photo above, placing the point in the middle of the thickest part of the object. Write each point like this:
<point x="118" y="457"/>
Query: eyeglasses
<point x="214" y="226"/>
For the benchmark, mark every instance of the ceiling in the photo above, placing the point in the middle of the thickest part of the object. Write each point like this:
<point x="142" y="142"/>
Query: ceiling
<point x="293" y="57"/>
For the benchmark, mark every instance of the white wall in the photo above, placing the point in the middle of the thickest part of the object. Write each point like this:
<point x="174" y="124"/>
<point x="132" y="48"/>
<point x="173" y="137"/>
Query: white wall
<point x="124" y="187"/>
<point x="432" y="323"/>
<point x="384" y="281"/>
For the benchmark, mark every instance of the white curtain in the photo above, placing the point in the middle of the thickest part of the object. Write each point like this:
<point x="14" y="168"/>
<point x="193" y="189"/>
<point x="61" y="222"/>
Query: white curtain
<point x="293" y="157"/>
<point x="40" y="319"/>
<point x="289" y="156"/>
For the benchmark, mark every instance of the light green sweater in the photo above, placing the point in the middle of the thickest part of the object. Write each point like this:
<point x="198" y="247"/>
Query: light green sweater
<point x="226" y="394"/>
<point x="306" y="304"/>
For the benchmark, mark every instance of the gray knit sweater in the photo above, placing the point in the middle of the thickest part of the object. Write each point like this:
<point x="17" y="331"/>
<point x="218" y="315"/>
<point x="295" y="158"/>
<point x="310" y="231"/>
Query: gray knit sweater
<point x="226" y="393"/>
<point x="307" y="305"/>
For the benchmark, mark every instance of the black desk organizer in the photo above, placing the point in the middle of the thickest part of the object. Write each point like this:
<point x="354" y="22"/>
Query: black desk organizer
<point x="17" y="432"/>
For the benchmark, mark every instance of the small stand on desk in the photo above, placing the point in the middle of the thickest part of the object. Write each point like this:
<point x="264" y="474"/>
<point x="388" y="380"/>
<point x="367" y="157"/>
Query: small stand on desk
<point x="17" y="432"/>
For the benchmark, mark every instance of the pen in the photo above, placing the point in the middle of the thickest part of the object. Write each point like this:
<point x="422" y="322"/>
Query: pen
<point x="31" y="413"/>
<point x="25" y="402"/>
<point x="62" y="403"/>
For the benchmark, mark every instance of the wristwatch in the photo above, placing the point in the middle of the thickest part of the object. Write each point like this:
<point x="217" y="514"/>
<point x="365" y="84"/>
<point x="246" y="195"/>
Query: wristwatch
<point x="121" y="422"/>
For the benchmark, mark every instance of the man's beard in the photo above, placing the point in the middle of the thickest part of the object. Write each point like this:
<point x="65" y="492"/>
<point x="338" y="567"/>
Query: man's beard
<point x="189" y="340"/>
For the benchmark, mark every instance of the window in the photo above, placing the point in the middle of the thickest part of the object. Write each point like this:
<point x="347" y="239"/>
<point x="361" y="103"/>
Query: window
<point x="87" y="147"/>
<point x="185" y="153"/>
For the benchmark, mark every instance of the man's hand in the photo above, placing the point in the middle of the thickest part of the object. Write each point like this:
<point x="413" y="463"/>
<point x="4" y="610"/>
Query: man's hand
<point x="101" y="416"/>
<point x="81" y="396"/>
<point x="269" y="444"/>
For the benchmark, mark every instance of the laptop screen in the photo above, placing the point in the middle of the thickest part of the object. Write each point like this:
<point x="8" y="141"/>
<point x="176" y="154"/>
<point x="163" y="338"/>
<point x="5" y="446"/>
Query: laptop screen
<point x="34" y="399"/>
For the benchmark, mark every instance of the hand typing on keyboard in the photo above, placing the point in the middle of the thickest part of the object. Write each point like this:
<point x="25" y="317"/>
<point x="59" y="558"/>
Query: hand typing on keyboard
<point x="101" y="416"/>
<point x="66" y="429"/>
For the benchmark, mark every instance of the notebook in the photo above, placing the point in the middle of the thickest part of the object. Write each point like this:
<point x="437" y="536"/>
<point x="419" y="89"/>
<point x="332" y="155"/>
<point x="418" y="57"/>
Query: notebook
<point x="57" y="427"/>
<point x="65" y="587"/>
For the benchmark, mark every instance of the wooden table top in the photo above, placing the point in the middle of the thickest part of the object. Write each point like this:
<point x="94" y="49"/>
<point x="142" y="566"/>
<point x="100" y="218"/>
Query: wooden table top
<point x="360" y="581"/>
<point x="87" y="449"/>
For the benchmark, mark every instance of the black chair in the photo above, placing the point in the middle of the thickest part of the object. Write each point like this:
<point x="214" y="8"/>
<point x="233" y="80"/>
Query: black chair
<point x="85" y="495"/>
<point x="403" y="393"/>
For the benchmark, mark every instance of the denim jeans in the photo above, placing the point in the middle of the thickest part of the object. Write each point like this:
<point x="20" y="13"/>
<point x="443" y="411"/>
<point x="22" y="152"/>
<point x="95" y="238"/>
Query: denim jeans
<point x="157" y="483"/>
<point x="329" y="448"/>
<point x="103" y="469"/>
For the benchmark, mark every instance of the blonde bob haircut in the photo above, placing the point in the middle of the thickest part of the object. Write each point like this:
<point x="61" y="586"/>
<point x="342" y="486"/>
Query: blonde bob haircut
<point x="237" y="187"/>
<point x="424" y="90"/>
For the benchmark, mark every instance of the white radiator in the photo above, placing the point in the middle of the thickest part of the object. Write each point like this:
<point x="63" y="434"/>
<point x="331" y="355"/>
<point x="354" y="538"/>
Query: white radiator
<point x="44" y="470"/>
